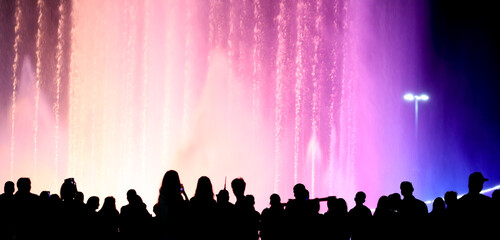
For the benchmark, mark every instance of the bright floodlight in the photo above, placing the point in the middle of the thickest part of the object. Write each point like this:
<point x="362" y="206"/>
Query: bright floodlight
<point x="424" y="97"/>
<point x="409" y="97"/>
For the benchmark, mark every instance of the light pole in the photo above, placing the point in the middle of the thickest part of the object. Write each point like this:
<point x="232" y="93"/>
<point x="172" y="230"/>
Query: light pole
<point x="411" y="97"/>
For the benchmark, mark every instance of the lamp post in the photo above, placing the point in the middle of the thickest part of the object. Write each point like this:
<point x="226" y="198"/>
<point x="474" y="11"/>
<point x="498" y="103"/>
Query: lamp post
<point x="416" y="98"/>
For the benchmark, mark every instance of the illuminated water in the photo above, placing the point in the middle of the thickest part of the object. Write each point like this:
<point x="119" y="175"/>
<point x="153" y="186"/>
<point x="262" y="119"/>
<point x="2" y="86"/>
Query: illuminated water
<point x="115" y="93"/>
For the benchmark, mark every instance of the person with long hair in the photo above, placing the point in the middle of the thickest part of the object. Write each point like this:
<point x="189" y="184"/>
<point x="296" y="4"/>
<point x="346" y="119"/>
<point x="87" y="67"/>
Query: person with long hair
<point x="202" y="210"/>
<point x="108" y="218"/>
<point x="172" y="207"/>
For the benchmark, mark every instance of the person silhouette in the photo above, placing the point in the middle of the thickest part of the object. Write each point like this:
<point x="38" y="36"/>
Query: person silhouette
<point x="451" y="219"/>
<point x="134" y="218"/>
<point x="26" y="207"/>
<point x="72" y="214"/>
<point x="475" y="209"/>
<point x="299" y="206"/>
<point x="238" y="185"/>
<point x="243" y="228"/>
<point x="438" y="208"/>
<point x="330" y="204"/>
<point x="91" y="225"/>
<point x="272" y="219"/>
<point x="47" y="215"/>
<point x="8" y="191"/>
<point x="68" y="190"/>
<point x="451" y="200"/>
<point x="223" y="198"/>
<point x="108" y="218"/>
<point x="172" y="207"/>
<point x="224" y="217"/>
<point x="412" y="213"/>
<point x="437" y="221"/>
<point x="24" y="189"/>
<point x="336" y="219"/>
<point x="202" y="210"/>
<point x="383" y="219"/>
<point x="7" y="211"/>
<point x="411" y="207"/>
<point x="394" y="203"/>
<point x="81" y="207"/>
<point x="93" y="204"/>
<point x="204" y="194"/>
<point x="299" y="213"/>
<point x="359" y="218"/>
<point x="474" y="203"/>
<point x="253" y="218"/>
<point x="382" y="209"/>
<point x="495" y="196"/>
<point x="79" y="198"/>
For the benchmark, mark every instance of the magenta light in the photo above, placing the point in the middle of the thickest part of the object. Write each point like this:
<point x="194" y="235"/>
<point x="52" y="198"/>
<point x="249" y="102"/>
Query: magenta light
<point x="276" y="92"/>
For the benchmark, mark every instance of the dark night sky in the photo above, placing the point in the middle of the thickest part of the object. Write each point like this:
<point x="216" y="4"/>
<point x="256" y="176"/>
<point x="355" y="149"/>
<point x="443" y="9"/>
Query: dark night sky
<point x="463" y="79"/>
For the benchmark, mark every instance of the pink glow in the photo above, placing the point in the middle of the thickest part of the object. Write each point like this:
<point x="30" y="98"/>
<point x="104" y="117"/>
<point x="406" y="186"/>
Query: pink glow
<point x="276" y="92"/>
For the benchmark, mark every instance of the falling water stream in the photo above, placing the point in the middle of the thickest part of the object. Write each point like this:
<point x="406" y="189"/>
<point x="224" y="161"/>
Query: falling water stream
<point x="276" y="92"/>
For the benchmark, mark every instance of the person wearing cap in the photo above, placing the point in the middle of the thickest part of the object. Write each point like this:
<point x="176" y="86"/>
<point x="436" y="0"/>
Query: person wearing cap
<point x="475" y="209"/>
<point x="474" y="201"/>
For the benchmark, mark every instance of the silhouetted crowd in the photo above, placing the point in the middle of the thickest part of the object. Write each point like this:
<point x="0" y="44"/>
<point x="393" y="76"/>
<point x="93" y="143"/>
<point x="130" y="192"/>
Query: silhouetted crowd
<point x="24" y="215"/>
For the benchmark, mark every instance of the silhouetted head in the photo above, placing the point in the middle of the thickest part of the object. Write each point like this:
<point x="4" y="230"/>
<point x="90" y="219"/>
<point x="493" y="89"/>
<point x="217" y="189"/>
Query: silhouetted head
<point x="204" y="188"/>
<point x="238" y="185"/>
<point x="341" y="206"/>
<point x="68" y="189"/>
<point x="54" y="198"/>
<point x="406" y="189"/>
<point x="24" y="185"/>
<point x="171" y="184"/>
<point x="8" y="188"/>
<point x="382" y="204"/>
<point x="300" y="192"/>
<point x="496" y="195"/>
<point x="438" y="205"/>
<point x="395" y="197"/>
<point x="79" y="197"/>
<point x="330" y="203"/>
<point x="360" y="198"/>
<point x="223" y="196"/>
<point x="44" y="195"/>
<point x="450" y="198"/>
<point x="131" y="196"/>
<point x="93" y="203"/>
<point x="275" y="200"/>
<point x="476" y="181"/>
<point x="250" y="200"/>
<point x="394" y="202"/>
<point x="109" y="203"/>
